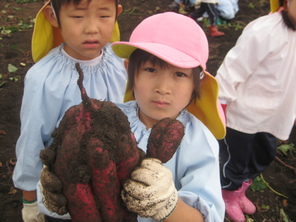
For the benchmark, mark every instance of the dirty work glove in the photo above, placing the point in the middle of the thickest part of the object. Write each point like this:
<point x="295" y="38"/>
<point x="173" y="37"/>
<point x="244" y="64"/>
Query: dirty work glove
<point x="151" y="191"/>
<point x="51" y="191"/>
<point x="30" y="212"/>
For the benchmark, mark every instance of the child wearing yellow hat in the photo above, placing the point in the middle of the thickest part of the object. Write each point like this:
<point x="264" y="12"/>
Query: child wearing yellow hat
<point x="65" y="32"/>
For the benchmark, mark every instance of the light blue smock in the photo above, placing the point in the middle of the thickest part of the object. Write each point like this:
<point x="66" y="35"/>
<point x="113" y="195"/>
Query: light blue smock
<point x="50" y="89"/>
<point x="195" y="165"/>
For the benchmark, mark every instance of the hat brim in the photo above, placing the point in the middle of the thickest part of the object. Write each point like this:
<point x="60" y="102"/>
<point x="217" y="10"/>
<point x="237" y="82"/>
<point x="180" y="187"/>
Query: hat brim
<point x="42" y="39"/>
<point x="164" y="52"/>
<point x="274" y="5"/>
<point x="46" y="37"/>
<point x="207" y="109"/>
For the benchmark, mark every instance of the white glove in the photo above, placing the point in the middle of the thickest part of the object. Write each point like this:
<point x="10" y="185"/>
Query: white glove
<point x="151" y="191"/>
<point x="51" y="191"/>
<point x="31" y="213"/>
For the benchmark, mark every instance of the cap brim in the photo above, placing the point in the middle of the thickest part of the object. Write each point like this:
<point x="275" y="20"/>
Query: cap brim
<point x="207" y="109"/>
<point x="164" y="52"/>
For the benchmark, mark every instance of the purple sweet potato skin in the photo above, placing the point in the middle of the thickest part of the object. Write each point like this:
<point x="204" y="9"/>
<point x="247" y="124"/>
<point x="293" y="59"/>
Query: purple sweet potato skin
<point x="71" y="168"/>
<point x="89" y="162"/>
<point x="165" y="138"/>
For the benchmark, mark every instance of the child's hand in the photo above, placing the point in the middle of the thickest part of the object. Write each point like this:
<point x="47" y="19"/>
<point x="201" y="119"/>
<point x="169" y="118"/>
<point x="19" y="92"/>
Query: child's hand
<point x="151" y="191"/>
<point x="30" y="212"/>
<point x="51" y="190"/>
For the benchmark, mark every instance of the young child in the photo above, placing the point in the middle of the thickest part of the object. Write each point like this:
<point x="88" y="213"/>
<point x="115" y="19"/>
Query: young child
<point x="256" y="82"/>
<point x="86" y="27"/>
<point x="209" y="6"/>
<point x="169" y="79"/>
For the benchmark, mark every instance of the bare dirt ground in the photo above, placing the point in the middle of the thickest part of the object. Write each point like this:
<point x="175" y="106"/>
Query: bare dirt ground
<point x="275" y="203"/>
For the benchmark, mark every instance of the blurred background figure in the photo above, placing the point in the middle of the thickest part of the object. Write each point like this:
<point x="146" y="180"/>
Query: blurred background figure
<point x="210" y="7"/>
<point x="227" y="9"/>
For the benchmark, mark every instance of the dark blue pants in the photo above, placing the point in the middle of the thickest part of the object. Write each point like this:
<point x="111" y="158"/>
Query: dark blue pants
<point x="210" y="8"/>
<point x="244" y="156"/>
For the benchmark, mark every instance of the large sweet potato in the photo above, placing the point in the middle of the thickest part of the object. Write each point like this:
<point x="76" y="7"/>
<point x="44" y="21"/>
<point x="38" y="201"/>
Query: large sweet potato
<point x="93" y="153"/>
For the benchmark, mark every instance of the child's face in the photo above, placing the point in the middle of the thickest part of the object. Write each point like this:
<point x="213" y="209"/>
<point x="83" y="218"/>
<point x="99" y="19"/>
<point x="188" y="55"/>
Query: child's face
<point x="162" y="91"/>
<point x="87" y="28"/>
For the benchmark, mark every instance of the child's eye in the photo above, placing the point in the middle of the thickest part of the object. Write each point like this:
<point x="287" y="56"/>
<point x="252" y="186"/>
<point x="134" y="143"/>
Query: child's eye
<point x="180" y="74"/>
<point x="150" y="69"/>
<point x="76" y="16"/>
<point x="104" y="16"/>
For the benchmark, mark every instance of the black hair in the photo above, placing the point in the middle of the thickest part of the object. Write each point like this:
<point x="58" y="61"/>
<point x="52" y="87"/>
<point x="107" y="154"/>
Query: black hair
<point x="138" y="57"/>
<point x="57" y="4"/>
<point x="288" y="21"/>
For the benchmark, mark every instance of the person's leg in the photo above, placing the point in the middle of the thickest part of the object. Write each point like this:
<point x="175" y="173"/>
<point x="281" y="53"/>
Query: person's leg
<point x="235" y="154"/>
<point x="212" y="11"/>
<point x="264" y="153"/>
<point x="198" y="12"/>
<point x="213" y="15"/>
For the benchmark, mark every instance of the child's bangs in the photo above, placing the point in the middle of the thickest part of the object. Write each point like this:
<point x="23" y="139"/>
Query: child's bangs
<point x="146" y="56"/>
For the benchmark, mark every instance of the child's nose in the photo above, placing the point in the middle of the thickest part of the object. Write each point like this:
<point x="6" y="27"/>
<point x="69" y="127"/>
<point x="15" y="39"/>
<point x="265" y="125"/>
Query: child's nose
<point x="163" y="85"/>
<point x="91" y="26"/>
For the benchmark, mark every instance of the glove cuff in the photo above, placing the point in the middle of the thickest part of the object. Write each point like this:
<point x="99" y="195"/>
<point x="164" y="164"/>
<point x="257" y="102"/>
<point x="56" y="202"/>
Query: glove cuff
<point x="28" y="202"/>
<point x="168" y="208"/>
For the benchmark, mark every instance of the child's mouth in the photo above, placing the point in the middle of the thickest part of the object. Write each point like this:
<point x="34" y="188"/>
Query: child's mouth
<point x="91" y="44"/>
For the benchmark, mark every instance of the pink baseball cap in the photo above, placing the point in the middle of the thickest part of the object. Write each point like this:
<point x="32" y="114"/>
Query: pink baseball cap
<point x="175" y="38"/>
<point x="180" y="41"/>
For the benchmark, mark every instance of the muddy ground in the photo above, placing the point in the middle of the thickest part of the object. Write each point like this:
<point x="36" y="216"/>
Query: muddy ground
<point x="277" y="202"/>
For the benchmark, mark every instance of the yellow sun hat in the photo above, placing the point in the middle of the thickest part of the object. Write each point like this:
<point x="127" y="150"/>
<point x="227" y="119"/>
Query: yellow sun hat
<point x="165" y="36"/>
<point x="46" y="37"/>
<point x="275" y="5"/>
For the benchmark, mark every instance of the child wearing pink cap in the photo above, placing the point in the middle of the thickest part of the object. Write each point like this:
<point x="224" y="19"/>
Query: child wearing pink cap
<point x="257" y="87"/>
<point x="167" y="78"/>
<point x="65" y="32"/>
